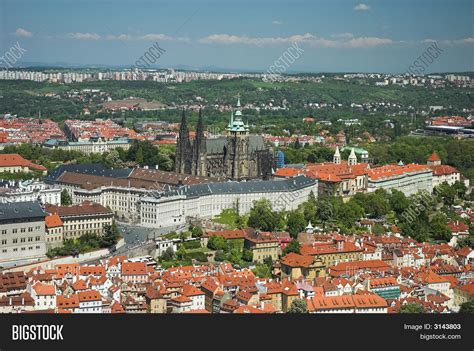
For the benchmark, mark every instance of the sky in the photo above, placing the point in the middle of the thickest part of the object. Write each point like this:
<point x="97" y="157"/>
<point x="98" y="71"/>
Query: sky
<point x="333" y="35"/>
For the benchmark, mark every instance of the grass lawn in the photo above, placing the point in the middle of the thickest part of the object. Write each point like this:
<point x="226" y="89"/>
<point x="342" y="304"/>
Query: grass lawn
<point x="201" y="249"/>
<point x="227" y="217"/>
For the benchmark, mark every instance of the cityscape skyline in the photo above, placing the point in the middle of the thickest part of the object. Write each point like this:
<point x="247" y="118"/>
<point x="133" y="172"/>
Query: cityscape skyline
<point x="346" y="36"/>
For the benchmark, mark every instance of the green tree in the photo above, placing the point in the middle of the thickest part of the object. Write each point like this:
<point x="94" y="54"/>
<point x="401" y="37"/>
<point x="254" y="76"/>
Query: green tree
<point x="310" y="212"/>
<point x="467" y="307"/>
<point x="312" y="198"/>
<point x="247" y="255"/>
<point x="262" y="216"/>
<point x="469" y="242"/>
<point x="220" y="256"/>
<point x="375" y="204"/>
<point x="439" y="229"/>
<point x="293" y="246"/>
<point x="298" y="306"/>
<point x="111" y="235"/>
<point x="196" y="232"/>
<point x="460" y="189"/>
<point x="181" y="252"/>
<point x="65" y="198"/>
<point x="412" y="308"/>
<point x="268" y="261"/>
<point x="398" y="201"/>
<point x="184" y="235"/>
<point x="168" y="255"/>
<point x="446" y="193"/>
<point x="139" y="158"/>
<point x="262" y="271"/>
<point x="296" y="223"/>
<point x="112" y="159"/>
<point x="217" y="243"/>
<point x="348" y="213"/>
<point x="324" y="210"/>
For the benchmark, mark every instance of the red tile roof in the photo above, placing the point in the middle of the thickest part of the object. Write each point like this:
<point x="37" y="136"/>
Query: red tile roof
<point x="443" y="170"/>
<point x="53" y="221"/>
<point x="390" y="171"/>
<point x="134" y="268"/>
<point x="191" y="290"/>
<point x="468" y="288"/>
<point x="44" y="289"/>
<point x="64" y="302"/>
<point x="434" y="157"/>
<point x="85" y="208"/>
<point x="296" y="260"/>
<point x="228" y="234"/>
<point x="16" y="160"/>
<point x="91" y="295"/>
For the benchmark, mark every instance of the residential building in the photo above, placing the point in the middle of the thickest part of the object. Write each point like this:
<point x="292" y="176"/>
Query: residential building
<point x="84" y="218"/>
<point x="54" y="231"/>
<point x="333" y="252"/>
<point x="387" y="287"/>
<point x="295" y="266"/>
<point x="89" y="302"/>
<point x="358" y="303"/>
<point x="135" y="272"/>
<point x="262" y="245"/>
<point x="44" y="296"/>
<point x="463" y="293"/>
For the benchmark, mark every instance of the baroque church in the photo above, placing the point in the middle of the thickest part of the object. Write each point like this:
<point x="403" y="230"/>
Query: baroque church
<point x="237" y="156"/>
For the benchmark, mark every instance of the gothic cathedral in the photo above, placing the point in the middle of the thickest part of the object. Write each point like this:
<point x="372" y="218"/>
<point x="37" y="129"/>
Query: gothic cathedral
<point x="237" y="156"/>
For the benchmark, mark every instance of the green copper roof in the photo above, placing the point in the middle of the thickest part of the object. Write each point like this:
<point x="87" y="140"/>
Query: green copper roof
<point x="236" y="124"/>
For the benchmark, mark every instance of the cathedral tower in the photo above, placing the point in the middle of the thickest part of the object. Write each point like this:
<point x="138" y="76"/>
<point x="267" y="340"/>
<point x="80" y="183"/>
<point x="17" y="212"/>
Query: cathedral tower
<point x="183" y="147"/>
<point x="199" y="149"/>
<point x="238" y="145"/>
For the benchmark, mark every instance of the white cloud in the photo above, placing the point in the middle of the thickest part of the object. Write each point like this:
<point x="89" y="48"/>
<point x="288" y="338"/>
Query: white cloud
<point x="369" y="42"/>
<point x="83" y="36"/>
<point x="362" y="7"/>
<point x="277" y="23"/>
<point x="119" y="37"/>
<point x="464" y="41"/>
<point x="259" y="41"/>
<point x="343" y="41"/>
<point x="156" y="37"/>
<point x="343" y="35"/>
<point x="20" y="32"/>
<point x="162" y="37"/>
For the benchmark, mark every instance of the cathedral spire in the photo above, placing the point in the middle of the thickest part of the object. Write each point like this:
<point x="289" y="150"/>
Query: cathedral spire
<point x="231" y="120"/>
<point x="199" y="127"/>
<point x="182" y="145"/>
<point x="199" y="147"/>
<point x="183" y="128"/>
<point x="238" y="112"/>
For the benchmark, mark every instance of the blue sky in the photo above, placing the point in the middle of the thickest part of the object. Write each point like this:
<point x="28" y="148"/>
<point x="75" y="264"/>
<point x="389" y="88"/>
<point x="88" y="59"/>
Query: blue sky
<point x="337" y="35"/>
